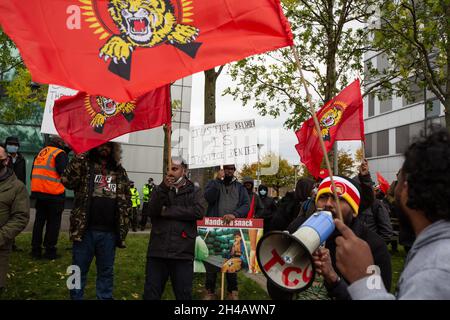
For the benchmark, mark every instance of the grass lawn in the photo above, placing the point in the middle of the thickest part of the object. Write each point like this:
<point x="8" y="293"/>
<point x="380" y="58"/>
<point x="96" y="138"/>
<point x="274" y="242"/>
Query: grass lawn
<point x="46" y="280"/>
<point x="398" y="260"/>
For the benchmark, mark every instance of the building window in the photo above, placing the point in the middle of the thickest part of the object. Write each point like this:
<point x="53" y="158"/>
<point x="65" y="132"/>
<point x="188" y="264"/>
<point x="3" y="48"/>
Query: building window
<point x="416" y="94"/>
<point x="377" y="144"/>
<point x="405" y="135"/>
<point x="433" y="108"/>
<point x="371" y="105"/>
<point x="382" y="143"/>
<point x="368" y="146"/>
<point x="382" y="63"/>
<point x="385" y="104"/>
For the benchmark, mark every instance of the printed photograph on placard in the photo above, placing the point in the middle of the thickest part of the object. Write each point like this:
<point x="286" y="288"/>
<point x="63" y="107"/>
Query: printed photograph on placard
<point x="227" y="248"/>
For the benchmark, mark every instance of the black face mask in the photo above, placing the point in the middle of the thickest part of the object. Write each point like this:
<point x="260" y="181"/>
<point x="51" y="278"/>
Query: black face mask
<point x="227" y="179"/>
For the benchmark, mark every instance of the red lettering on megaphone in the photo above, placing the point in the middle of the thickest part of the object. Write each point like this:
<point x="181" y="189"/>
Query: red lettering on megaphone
<point x="276" y="258"/>
<point x="306" y="277"/>
<point x="287" y="272"/>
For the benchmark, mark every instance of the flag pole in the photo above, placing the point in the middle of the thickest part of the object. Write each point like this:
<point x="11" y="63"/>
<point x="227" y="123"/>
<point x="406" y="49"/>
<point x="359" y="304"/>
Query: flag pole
<point x="317" y="126"/>
<point x="169" y="148"/>
<point x="169" y="134"/>
<point x="363" y="147"/>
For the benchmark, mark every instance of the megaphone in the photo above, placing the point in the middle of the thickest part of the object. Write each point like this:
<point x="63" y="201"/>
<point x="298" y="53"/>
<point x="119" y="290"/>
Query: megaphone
<point x="286" y="259"/>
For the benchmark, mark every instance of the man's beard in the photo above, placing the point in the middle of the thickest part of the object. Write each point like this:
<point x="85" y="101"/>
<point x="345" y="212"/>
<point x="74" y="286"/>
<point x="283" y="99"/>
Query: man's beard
<point x="227" y="179"/>
<point x="404" y="222"/>
<point x="348" y="221"/>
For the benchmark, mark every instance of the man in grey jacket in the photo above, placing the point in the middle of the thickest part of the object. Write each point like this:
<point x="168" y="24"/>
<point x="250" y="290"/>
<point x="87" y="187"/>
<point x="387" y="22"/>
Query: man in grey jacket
<point x="423" y="195"/>
<point x="227" y="198"/>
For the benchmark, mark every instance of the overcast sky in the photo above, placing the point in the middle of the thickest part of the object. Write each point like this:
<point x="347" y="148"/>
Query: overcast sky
<point x="228" y="109"/>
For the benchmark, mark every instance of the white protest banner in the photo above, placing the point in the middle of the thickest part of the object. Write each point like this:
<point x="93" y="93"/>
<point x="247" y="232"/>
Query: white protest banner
<point x="54" y="93"/>
<point x="233" y="142"/>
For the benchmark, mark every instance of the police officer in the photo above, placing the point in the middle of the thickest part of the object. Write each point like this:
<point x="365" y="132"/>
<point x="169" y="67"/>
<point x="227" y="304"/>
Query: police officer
<point x="135" y="204"/>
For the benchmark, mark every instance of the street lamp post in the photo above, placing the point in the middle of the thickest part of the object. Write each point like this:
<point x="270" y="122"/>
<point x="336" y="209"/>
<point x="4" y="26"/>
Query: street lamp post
<point x="258" y="171"/>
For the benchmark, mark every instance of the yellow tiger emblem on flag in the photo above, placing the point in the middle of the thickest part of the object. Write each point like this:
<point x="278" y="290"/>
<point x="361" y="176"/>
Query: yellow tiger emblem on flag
<point x="144" y="23"/>
<point x="329" y="119"/>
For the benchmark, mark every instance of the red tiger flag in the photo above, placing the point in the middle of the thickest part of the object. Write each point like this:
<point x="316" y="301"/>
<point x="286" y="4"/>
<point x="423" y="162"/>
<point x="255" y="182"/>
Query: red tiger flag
<point x="340" y="119"/>
<point x="123" y="48"/>
<point x="85" y="121"/>
<point x="384" y="184"/>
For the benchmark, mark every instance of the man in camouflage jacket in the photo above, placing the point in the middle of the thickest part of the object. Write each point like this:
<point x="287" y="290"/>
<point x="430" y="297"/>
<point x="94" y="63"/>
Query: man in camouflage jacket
<point x="100" y="218"/>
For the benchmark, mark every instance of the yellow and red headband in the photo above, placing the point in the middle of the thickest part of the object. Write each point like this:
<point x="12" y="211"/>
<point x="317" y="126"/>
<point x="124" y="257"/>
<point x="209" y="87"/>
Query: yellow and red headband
<point x="345" y="190"/>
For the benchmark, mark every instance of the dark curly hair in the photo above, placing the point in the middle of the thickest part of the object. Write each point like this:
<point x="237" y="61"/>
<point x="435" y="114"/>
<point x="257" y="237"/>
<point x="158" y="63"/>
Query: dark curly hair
<point x="427" y="171"/>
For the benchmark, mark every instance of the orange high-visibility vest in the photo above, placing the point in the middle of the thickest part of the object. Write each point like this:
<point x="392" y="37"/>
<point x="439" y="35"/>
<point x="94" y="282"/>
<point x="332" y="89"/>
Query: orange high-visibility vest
<point x="44" y="177"/>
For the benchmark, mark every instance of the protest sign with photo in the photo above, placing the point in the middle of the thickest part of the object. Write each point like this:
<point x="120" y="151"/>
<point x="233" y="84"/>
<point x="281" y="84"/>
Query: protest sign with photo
<point x="227" y="248"/>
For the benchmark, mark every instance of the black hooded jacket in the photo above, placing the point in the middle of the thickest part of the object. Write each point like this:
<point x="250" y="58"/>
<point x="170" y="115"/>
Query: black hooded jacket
<point x="19" y="167"/>
<point x="290" y="206"/>
<point x="270" y="207"/>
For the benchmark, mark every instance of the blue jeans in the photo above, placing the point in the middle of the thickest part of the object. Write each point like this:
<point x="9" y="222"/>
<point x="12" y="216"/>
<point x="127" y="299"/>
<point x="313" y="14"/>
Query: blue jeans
<point x="102" y="246"/>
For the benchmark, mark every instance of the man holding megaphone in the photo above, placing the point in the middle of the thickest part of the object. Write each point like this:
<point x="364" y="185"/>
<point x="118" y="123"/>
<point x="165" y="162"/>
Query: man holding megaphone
<point x="324" y="258"/>
<point x="423" y="197"/>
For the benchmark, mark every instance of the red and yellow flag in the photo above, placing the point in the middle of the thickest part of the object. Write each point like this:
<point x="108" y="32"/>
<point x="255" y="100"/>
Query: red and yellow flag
<point x="124" y="48"/>
<point x="340" y="119"/>
<point x="85" y="122"/>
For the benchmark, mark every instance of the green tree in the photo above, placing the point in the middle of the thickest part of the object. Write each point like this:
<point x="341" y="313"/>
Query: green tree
<point x="359" y="156"/>
<point x="331" y="46"/>
<point x="20" y="98"/>
<point x="414" y="37"/>
<point x="346" y="165"/>
<point x="284" y="177"/>
<point x="209" y="106"/>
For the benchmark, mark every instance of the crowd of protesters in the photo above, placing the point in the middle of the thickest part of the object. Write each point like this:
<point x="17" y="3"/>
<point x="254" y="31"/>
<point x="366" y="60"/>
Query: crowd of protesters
<point x="414" y="212"/>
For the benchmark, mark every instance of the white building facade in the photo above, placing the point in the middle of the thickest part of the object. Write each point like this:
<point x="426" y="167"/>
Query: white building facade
<point x="142" y="157"/>
<point x="392" y="124"/>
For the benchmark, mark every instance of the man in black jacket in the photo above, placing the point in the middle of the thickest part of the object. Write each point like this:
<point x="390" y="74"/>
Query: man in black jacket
<point x="325" y="258"/>
<point x="174" y="208"/>
<point x="256" y="206"/>
<point x="270" y="207"/>
<point x="289" y="208"/>
<point x="17" y="163"/>
<point x="374" y="214"/>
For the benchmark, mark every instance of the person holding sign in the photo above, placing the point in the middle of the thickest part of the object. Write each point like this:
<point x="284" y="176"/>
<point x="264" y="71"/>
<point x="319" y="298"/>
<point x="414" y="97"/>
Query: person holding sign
<point x="227" y="198"/>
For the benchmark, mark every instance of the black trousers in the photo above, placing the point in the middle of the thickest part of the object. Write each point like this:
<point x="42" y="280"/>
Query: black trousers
<point x="48" y="215"/>
<point x="134" y="218"/>
<point x="144" y="216"/>
<point x="158" y="271"/>
<point x="211" y="278"/>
